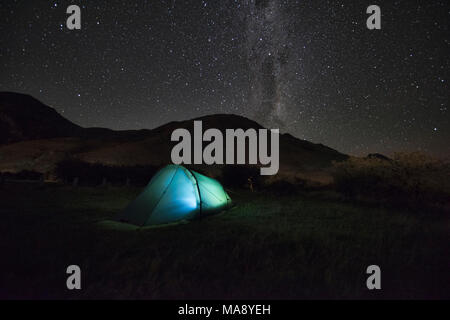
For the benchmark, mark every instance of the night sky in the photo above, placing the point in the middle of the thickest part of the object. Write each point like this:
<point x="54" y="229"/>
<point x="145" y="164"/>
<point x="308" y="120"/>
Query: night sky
<point x="310" y="68"/>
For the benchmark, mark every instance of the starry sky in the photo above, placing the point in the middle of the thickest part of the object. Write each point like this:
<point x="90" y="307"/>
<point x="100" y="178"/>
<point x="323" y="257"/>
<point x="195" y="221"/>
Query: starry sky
<point x="309" y="68"/>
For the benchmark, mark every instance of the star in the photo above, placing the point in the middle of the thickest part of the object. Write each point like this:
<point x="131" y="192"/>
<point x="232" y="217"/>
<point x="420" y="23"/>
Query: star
<point x="314" y="71"/>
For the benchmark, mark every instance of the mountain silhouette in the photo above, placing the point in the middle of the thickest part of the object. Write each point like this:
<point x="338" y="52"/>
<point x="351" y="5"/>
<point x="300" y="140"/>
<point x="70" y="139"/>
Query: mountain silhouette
<point x="36" y="137"/>
<point x="22" y="117"/>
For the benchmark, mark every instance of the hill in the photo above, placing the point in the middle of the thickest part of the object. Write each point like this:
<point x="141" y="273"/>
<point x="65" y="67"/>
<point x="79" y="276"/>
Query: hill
<point x="36" y="137"/>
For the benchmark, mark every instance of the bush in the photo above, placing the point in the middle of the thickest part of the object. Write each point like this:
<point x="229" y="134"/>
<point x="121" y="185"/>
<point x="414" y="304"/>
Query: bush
<point x="241" y="176"/>
<point x="94" y="173"/>
<point x="282" y="188"/>
<point x="22" y="175"/>
<point x="408" y="178"/>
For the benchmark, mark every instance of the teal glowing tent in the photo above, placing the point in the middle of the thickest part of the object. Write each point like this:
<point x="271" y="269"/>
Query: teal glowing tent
<point x="173" y="194"/>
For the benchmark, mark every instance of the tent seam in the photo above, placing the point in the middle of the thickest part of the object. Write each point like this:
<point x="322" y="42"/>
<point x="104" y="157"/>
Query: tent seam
<point x="162" y="195"/>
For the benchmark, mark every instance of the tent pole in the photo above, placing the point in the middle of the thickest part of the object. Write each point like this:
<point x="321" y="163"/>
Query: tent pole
<point x="198" y="190"/>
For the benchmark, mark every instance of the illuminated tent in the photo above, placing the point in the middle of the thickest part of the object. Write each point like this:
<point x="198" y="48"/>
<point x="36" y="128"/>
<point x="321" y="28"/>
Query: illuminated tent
<point x="173" y="194"/>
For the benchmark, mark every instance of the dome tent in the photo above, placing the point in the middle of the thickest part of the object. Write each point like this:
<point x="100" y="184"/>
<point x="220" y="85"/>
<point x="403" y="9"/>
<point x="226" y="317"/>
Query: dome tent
<point x="173" y="194"/>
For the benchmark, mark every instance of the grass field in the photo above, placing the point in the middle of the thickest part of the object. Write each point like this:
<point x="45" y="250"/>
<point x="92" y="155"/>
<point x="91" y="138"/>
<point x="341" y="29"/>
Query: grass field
<point x="294" y="247"/>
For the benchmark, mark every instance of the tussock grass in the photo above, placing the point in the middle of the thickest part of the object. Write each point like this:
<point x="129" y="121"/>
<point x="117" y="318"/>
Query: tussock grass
<point x="289" y="246"/>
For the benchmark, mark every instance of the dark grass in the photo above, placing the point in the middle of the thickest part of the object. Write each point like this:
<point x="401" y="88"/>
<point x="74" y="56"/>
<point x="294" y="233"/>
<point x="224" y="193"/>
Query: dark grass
<point x="291" y="247"/>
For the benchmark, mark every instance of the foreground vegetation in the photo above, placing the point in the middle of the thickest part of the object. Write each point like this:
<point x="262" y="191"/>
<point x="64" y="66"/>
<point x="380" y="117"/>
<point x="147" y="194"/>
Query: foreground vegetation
<point x="413" y="180"/>
<point x="296" y="246"/>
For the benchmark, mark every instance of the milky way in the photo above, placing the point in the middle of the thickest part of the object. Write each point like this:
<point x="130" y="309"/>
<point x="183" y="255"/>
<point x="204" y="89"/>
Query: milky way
<point x="309" y="68"/>
<point x="268" y="51"/>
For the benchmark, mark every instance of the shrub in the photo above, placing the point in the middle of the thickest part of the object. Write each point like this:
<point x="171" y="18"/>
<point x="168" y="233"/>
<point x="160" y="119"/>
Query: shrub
<point x="282" y="188"/>
<point x="94" y="173"/>
<point x="22" y="175"/>
<point x="408" y="178"/>
<point x="241" y="176"/>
